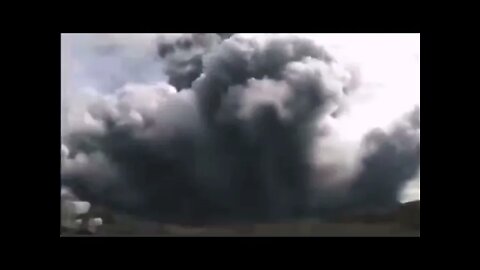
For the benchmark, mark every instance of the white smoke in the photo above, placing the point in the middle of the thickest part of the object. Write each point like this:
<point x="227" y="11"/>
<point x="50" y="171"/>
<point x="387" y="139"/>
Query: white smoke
<point x="71" y="208"/>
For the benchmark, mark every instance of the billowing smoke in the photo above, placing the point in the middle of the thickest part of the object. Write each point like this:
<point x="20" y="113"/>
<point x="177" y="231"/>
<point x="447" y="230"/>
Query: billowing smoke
<point x="253" y="135"/>
<point x="183" y="54"/>
<point x="387" y="159"/>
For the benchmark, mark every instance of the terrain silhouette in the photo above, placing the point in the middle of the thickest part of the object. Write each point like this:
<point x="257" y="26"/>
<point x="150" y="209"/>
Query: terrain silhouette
<point x="403" y="221"/>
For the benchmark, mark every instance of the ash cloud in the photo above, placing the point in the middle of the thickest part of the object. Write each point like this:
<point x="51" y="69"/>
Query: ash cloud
<point x="184" y="55"/>
<point x="390" y="159"/>
<point x="236" y="142"/>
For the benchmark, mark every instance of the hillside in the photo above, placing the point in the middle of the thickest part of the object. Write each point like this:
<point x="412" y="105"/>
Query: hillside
<point x="405" y="221"/>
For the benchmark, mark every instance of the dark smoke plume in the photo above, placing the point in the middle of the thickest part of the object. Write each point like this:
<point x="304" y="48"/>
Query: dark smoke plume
<point x="235" y="144"/>
<point x="184" y="55"/>
<point x="390" y="160"/>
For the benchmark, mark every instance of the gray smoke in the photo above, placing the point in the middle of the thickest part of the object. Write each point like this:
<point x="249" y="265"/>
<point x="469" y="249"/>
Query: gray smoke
<point x="236" y="143"/>
<point x="184" y="55"/>
<point x="388" y="160"/>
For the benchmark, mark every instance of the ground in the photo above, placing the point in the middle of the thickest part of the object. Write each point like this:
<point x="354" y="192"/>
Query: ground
<point x="403" y="222"/>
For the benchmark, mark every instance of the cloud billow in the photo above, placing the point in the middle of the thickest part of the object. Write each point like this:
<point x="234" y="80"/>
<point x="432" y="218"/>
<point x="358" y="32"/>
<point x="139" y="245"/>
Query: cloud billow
<point x="236" y="142"/>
